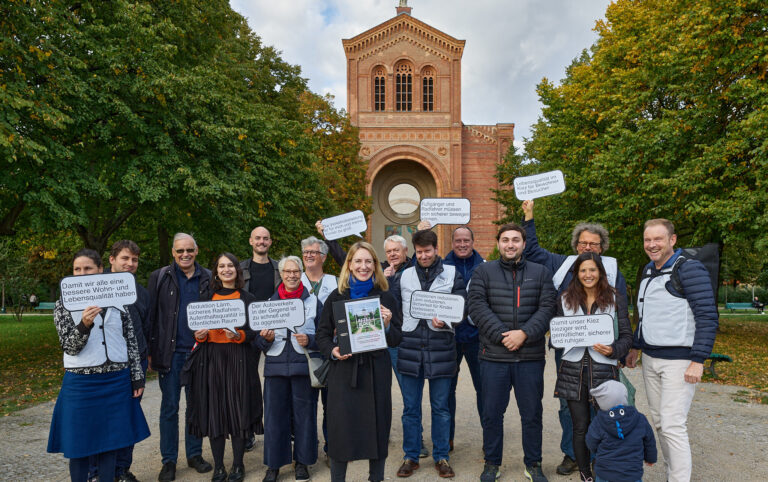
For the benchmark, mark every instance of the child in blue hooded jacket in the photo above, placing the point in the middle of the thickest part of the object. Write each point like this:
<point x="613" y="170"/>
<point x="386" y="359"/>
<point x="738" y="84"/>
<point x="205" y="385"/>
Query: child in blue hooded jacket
<point x="620" y="437"/>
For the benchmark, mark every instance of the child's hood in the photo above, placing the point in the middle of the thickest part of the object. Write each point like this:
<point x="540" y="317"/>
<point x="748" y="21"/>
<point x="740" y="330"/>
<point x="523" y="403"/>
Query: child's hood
<point x="619" y="421"/>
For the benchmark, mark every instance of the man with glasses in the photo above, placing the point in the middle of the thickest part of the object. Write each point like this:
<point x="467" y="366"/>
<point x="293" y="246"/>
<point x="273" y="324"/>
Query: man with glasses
<point x="261" y="278"/>
<point x="585" y="237"/>
<point x="171" y="289"/>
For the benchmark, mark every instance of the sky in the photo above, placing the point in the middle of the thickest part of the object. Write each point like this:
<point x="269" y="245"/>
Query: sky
<point x="511" y="45"/>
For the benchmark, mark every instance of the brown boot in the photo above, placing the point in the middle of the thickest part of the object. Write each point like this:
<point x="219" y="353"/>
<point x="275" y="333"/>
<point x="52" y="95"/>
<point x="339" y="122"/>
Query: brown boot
<point x="408" y="468"/>
<point x="444" y="469"/>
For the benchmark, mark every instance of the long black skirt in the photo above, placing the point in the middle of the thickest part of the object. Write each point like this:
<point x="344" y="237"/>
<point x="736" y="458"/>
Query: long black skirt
<point x="224" y="391"/>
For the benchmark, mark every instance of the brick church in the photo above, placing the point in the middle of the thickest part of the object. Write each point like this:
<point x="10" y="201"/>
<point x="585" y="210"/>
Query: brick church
<point x="404" y="93"/>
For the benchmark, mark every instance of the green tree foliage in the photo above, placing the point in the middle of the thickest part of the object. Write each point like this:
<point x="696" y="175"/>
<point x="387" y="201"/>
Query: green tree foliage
<point x="665" y="116"/>
<point x="142" y="118"/>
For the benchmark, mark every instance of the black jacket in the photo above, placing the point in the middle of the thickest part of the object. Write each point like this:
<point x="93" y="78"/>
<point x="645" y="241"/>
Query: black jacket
<point x="568" y="384"/>
<point x="245" y="265"/>
<point x="426" y="351"/>
<point x="507" y="296"/>
<point x="163" y="309"/>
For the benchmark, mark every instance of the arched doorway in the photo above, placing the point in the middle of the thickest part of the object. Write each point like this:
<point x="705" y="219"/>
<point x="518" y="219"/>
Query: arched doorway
<point x="397" y="190"/>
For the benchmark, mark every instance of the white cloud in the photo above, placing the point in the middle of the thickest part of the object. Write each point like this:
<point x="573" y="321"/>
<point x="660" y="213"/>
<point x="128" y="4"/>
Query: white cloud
<point x="511" y="44"/>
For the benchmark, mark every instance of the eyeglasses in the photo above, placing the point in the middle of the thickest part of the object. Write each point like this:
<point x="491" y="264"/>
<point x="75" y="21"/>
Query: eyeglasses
<point x="584" y="244"/>
<point x="182" y="251"/>
<point x="291" y="272"/>
<point x="309" y="252"/>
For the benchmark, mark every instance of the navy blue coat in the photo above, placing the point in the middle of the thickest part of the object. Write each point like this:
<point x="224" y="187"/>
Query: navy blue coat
<point x="288" y="363"/>
<point x="424" y="351"/>
<point x="697" y="289"/>
<point x="537" y="254"/>
<point x="465" y="331"/>
<point x="621" y="459"/>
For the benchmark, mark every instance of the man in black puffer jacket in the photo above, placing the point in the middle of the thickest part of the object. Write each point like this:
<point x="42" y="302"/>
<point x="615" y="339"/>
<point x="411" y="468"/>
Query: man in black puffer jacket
<point x="511" y="301"/>
<point x="427" y="352"/>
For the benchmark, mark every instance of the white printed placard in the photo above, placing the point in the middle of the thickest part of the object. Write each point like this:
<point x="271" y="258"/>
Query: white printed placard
<point x="351" y="223"/>
<point x="445" y="210"/>
<point x="567" y="332"/>
<point x="364" y="325"/>
<point x="539" y="185"/>
<point x="102" y="290"/>
<point x="446" y="307"/>
<point x="271" y="315"/>
<point x="216" y="314"/>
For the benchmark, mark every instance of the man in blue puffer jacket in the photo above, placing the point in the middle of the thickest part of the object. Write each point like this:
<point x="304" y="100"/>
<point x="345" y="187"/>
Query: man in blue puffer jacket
<point x="465" y="259"/>
<point x="620" y="437"/>
<point x="676" y="332"/>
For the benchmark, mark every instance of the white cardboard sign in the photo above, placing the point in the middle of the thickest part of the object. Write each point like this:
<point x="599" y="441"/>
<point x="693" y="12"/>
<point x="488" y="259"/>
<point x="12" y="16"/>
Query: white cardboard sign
<point x="539" y="185"/>
<point x="102" y="290"/>
<point x="585" y="330"/>
<point x="271" y="315"/>
<point x="446" y="307"/>
<point x="212" y="315"/>
<point x="352" y="223"/>
<point x="445" y="210"/>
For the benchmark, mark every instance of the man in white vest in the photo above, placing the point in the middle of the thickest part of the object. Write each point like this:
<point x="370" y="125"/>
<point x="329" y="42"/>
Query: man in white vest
<point x="427" y="352"/>
<point x="586" y="237"/>
<point x="676" y="331"/>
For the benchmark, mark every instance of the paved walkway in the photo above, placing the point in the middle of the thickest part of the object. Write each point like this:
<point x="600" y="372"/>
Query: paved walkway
<point x="729" y="439"/>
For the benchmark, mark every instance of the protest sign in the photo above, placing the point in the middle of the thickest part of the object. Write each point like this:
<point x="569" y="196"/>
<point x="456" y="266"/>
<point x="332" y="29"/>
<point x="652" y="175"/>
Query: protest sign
<point x="569" y="331"/>
<point x="539" y="185"/>
<point x="446" y="307"/>
<point x="445" y="210"/>
<point x="344" y="225"/>
<point x="102" y="290"/>
<point x="211" y="315"/>
<point x="271" y="315"/>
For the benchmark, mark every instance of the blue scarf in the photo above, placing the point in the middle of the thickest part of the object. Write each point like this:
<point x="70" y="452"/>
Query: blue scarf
<point x="359" y="289"/>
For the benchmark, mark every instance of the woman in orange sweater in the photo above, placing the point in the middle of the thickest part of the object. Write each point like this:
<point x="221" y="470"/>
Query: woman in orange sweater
<point x="225" y="392"/>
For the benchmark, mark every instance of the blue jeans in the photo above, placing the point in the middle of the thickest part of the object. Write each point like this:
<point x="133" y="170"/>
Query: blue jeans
<point x="469" y="351"/>
<point x="566" y="423"/>
<point x="393" y="358"/>
<point x="527" y="377"/>
<point x="439" y="389"/>
<point x="125" y="454"/>
<point x="170" y="388"/>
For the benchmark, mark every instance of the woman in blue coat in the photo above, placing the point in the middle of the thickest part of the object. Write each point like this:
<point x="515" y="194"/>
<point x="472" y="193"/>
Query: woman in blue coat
<point x="290" y="402"/>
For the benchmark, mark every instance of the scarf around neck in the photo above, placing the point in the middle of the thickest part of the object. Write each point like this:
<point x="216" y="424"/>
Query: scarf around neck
<point x="359" y="289"/>
<point x="284" y="294"/>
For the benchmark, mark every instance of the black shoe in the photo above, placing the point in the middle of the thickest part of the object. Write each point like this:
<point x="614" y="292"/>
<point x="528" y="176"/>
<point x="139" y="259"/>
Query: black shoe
<point x="236" y="473"/>
<point x="168" y="472"/>
<point x="250" y="443"/>
<point x="271" y="475"/>
<point x="126" y="476"/>
<point x="219" y="475"/>
<point x="302" y="472"/>
<point x="567" y="466"/>
<point x="490" y="473"/>
<point x="534" y="473"/>
<point x="198" y="463"/>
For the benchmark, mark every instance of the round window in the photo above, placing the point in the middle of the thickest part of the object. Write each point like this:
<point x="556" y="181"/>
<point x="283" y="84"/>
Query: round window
<point x="404" y="199"/>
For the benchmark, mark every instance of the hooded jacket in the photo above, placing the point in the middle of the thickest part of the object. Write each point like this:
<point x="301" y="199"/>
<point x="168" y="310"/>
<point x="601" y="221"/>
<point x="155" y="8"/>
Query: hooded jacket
<point x="621" y="439"/>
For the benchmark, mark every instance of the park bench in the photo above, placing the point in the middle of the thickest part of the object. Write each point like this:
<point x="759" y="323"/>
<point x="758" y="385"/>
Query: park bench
<point x="45" y="305"/>
<point x="714" y="358"/>
<point x="739" y="306"/>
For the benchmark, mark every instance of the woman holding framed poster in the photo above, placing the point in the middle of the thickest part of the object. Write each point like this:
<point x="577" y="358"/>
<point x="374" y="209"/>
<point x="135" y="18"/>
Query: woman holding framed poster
<point x="584" y="368"/>
<point x="359" y="384"/>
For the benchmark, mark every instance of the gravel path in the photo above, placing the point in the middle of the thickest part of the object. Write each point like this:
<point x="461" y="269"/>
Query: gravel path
<point x="729" y="440"/>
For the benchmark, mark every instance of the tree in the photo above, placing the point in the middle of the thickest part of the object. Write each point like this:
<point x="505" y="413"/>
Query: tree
<point x="665" y="116"/>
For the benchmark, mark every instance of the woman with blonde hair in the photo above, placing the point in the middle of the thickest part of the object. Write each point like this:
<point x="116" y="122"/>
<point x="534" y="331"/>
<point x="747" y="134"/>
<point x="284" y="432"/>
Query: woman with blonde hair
<point x="359" y="385"/>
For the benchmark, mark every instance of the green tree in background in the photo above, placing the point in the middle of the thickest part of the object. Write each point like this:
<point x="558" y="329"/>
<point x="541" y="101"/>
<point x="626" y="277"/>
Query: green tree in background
<point x="665" y="116"/>
<point x="139" y="119"/>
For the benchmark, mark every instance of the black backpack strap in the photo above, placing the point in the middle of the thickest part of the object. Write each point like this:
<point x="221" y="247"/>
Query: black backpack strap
<point x="674" y="279"/>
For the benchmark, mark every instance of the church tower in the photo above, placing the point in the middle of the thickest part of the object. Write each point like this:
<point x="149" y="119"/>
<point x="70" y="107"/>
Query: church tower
<point x="404" y="94"/>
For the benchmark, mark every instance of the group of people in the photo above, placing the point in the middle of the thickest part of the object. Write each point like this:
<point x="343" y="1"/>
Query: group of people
<point x="510" y="302"/>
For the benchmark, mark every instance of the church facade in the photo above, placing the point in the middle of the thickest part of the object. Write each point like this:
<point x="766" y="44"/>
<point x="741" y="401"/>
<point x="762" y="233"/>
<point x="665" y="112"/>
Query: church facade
<point x="404" y="94"/>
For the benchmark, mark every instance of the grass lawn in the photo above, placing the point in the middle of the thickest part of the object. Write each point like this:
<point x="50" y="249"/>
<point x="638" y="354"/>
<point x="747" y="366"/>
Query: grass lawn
<point x="31" y="367"/>
<point x="30" y="362"/>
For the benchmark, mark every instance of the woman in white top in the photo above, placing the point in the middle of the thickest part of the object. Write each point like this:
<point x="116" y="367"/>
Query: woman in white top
<point x="584" y="368"/>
